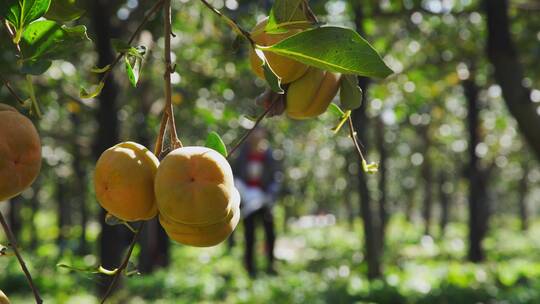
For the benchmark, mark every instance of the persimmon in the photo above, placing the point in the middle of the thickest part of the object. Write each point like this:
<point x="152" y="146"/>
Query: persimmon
<point x="20" y="152"/>
<point x="3" y="298"/>
<point x="310" y="95"/>
<point x="287" y="69"/>
<point x="197" y="201"/>
<point x="124" y="181"/>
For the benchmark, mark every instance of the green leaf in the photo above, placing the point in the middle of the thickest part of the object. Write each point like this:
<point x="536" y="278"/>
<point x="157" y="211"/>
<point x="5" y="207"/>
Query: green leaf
<point x="78" y="269"/>
<point x="336" y="110"/>
<point x="85" y="94"/>
<point x="287" y="14"/>
<point x="335" y="49"/>
<point x="22" y="12"/>
<point x="100" y="70"/>
<point x="350" y="94"/>
<point x="64" y="11"/>
<point x="35" y="66"/>
<point x="120" y="46"/>
<point x="112" y="220"/>
<point x="270" y="76"/>
<point x="370" y="168"/>
<point x="214" y="141"/>
<point x="133" y="71"/>
<point x="48" y="40"/>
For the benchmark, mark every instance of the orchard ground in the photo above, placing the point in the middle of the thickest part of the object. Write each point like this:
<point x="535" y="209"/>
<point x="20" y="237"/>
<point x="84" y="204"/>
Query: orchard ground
<point x="320" y="261"/>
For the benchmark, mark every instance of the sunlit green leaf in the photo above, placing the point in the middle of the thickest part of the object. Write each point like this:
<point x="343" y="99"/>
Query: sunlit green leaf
<point x="334" y="49"/>
<point x="289" y="13"/>
<point x="85" y="94"/>
<point x="47" y="40"/>
<point x="64" y="11"/>
<point x="336" y="110"/>
<point x="214" y="141"/>
<point x="350" y="94"/>
<point x="20" y="13"/>
<point x="270" y="76"/>
<point x="100" y="70"/>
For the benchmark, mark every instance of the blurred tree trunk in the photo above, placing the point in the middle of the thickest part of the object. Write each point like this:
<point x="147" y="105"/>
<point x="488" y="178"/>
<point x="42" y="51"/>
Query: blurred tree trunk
<point x="360" y="120"/>
<point x="14" y="215"/>
<point x="427" y="176"/>
<point x="153" y="240"/>
<point x="110" y="245"/>
<point x="444" y="201"/>
<point x="63" y="211"/>
<point x="409" y="202"/>
<point x="478" y="205"/>
<point x="523" y="189"/>
<point x="383" y="213"/>
<point x="509" y="73"/>
<point x="34" y="209"/>
<point x="80" y="182"/>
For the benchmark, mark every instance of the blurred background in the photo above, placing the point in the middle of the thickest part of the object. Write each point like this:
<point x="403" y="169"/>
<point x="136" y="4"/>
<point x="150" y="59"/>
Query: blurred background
<point x="451" y="216"/>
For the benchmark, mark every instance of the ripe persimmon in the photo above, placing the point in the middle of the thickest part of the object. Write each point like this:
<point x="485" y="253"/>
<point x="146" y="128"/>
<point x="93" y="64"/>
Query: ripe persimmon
<point x="20" y="152"/>
<point x="287" y="69"/>
<point x="124" y="181"/>
<point x="310" y="95"/>
<point x="197" y="201"/>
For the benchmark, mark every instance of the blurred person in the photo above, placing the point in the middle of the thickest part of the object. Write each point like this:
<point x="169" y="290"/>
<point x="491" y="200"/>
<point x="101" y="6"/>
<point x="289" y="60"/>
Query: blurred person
<point x="256" y="178"/>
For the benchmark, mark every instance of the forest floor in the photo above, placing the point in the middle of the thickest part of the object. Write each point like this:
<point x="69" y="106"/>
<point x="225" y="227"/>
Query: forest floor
<point x="320" y="262"/>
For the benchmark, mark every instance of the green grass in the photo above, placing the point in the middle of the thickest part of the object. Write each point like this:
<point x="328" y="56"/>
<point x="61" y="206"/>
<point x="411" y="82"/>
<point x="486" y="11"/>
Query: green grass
<point x="317" y="265"/>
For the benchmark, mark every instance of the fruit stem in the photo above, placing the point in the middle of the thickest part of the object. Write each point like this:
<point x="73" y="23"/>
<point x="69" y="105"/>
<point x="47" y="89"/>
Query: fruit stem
<point x="159" y="140"/>
<point x="124" y="264"/>
<point x="352" y="133"/>
<point x="13" y="243"/>
<point x="257" y="122"/>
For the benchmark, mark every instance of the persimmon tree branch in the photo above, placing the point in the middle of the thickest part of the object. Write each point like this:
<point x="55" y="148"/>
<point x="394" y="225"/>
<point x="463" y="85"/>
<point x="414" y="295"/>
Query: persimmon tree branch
<point x="13" y="243"/>
<point x="352" y="134"/>
<point x="248" y="132"/>
<point x="150" y="13"/>
<point x="123" y="266"/>
<point x="166" y="119"/>
<point x="233" y="24"/>
<point x="12" y="91"/>
<point x="169" y="111"/>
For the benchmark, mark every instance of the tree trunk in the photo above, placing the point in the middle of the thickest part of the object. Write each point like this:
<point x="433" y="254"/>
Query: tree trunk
<point x="509" y="74"/>
<point x="523" y="188"/>
<point x="110" y="245"/>
<point x="383" y="213"/>
<point x="63" y="212"/>
<point x="14" y="215"/>
<point x="80" y="183"/>
<point x="478" y="209"/>
<point x="444" y="201"/>
<point x="153" y="240"/>
<point x="34" y="203"/>
<point x="427" y="176"/>
<point x="360" y="121"/>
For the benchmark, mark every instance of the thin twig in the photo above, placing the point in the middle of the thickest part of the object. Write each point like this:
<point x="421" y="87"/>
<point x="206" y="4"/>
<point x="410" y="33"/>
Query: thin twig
<point x="12" y="35"/>
<point x="152" y="11"/>
<point x="257" y="122"/>
<point x="353" y="136"/>
<point x="124" y="264"/>
<point x="14" y="245"/>
<point x="235" y="26"/>
<point x="12" y="91"/>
